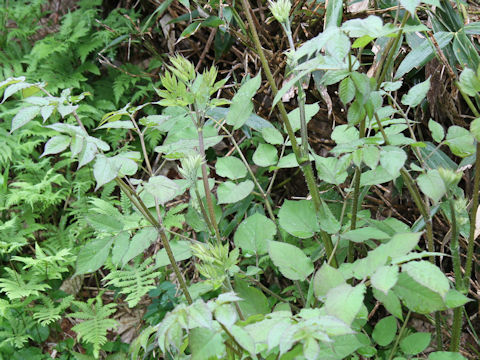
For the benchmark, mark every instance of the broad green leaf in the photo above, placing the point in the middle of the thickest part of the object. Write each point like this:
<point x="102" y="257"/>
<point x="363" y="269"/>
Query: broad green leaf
<point x="415" y="343"/>
<point x="371" y="27"/>
<point x="475" y="128"/>
<point x="24" y="116"/>
<point x="344" y="302"/>
<point x="385" y="331"/>
<point x="289" y="161"/>
<point x="121" y="242"/>
<point x="298" y="218"/>
<point x="254" y="233"/>
<point x="464" y="50"/>
<point x="416" y="94"/>
<point x="356" y="113"/>
<point x="272" y="136"/>
<point x="346" y="90"/>
<point x="469" y="82"/>
<point x="390" y="302"/>
<point x="253" y="300"/>
<point x="244" y="339"/>
<point x="265" y="155"/>
<point x="206" y="344"/>
<point x="410" y="5"/>
<point x="344" y="134"/>
<point x="376" y="176"/>
<point x="294" y="115"/>
<point x="87" y="153"/>
<point x="181" y="251"/>
<point x="140" y="242"/>
<point x="228" y="192"/>
<point x="311" y="349"/>
<point x="331" y="169"/>
<point x="242" y="106"/>
<point x="455" y="299"/>
<point x="445" y="355"/>
<point x="436" y="130"/>
<point x="326" y="278"/>
<point x="432" y="185"/>
<point x="333" y="14"/>
<point x="230" y="167"/>
<point x="428" y="275"/>
<point x="93" y="255"/>
<point x="328" y="222"/>
<point x="371" y="156"/>
<point x="423" y="53"/>
<point x="363" y="234"/>
<point x="385" y="278"/>
<point x="161" y="187"/>
<point x="338" y="46"/>
<point x="417" y="297"/>
<point x="290" y="260"/>
<point x="56" y="144"/>
<point x="104" y="170"/>
<point x="460" y="141"/>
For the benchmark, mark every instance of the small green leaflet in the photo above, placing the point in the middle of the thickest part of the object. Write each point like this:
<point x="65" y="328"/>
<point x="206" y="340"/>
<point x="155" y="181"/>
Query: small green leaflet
<point x="161" y="187"/>
<point x="93" y="255"/>
<point x="432" y="185"/>
<point x="242" y="106"/>
<point x="230" y="167"/>
<point x="416" y="94"/>
<point x="265" y="155"/>
<point x="344" y="302"/>
<point x="437" y="130"/>
<point x="298" y="218"/>
<point x="56" y="144"/>
<point x="229" y="192"/>
<point x="254" y="233"/>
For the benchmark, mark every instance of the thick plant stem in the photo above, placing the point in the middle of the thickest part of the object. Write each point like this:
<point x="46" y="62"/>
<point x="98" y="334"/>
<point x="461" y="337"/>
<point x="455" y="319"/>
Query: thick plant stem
<point x="302" y="159"/>
<point x="137" y="202"/>
<point x="473" y="219"/>
<point x="458" y="312"/>
<point x="208" y="195"/>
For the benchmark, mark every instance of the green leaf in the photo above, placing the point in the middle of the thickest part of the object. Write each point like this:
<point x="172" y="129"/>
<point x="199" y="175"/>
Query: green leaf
<point x="331" y="169"/>
<point x="390" y="302"/>
<point x="206" y="344"/>
<point x="363" y="234"/>
<point x="376" y="176"/>
<point x="294" y="115"/>
<point x="371" y="156"/>
<point x="181" y="251"/>
<point x="121" y="242"/>
<point x="290" y="260"/>
<point x="356" y="112"/>
<point x="415" y="343"/>
<point x="161" y="187"/>
<point x="230" y="167"/>
<point x="417" y="297"/>
<point x="253" y="300"/>
<point x="344" y="134"/>
<point x="56" y="144"/>
<point x="445" y="355"/>
<point x="475" y="128"/>
<point x="272" y="136"/>
<point x="344" y="302"/>
<point x="346" y="90"/>
<point x="229" y="192"/>
<point x="455" y="299"/>
<point x="334" y="12"/>
<point x="469" y="82"/>
<point x="428" y="275"/>
<point x="423" y="53"/>
<point x="432" y="185"/>
<point x="416" y="94"/>
<point x="410" y="5"/>
<point x="242" y="106"/>
<point x="460" y="141"/>
<point x="326" y="278"/>
<point x="140" y="242"/>
<point x="385" y="278"/>
<point x="298" y="218"/>
<point x="328" y="222"/>
<point x="265" y="155"/>
<point x="104" y="170"/>
<point x="385" y="330"/>
<point x="93" y="255"/>
<point x="24" y="116"/>
<point x="437" y="130"/>
<point x="254" y="233"/>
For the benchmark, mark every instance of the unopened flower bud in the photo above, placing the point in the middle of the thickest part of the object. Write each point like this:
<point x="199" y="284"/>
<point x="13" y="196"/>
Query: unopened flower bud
<point x="280" y="10"/>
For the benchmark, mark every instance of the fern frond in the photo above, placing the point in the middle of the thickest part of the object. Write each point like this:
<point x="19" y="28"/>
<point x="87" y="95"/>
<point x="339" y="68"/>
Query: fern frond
<point x="134" y="281"/>
<point x="48" y="313"/>
<point x="17" y="288"/>
<point x="96" y="322"/>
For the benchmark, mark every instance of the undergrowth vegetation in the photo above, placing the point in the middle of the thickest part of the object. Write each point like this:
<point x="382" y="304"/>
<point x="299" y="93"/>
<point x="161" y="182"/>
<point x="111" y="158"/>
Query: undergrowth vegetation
<point x="239" y="180"/>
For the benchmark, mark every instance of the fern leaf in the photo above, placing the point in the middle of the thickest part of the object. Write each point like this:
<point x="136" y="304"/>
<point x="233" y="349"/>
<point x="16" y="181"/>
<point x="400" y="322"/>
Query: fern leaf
<point x="17" y="288"/>
<point x="134" y="281"/>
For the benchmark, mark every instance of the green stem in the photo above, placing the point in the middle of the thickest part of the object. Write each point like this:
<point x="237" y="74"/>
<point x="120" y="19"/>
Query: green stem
<point x="473" y="220"/>
<point x="400" y="334"/>
<point x="353" y="223"/>
<point x="138" y="203"/>
<point x="301" y="159"/>
<point x="208" y="195"/>
<point x="203" y="211"/>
